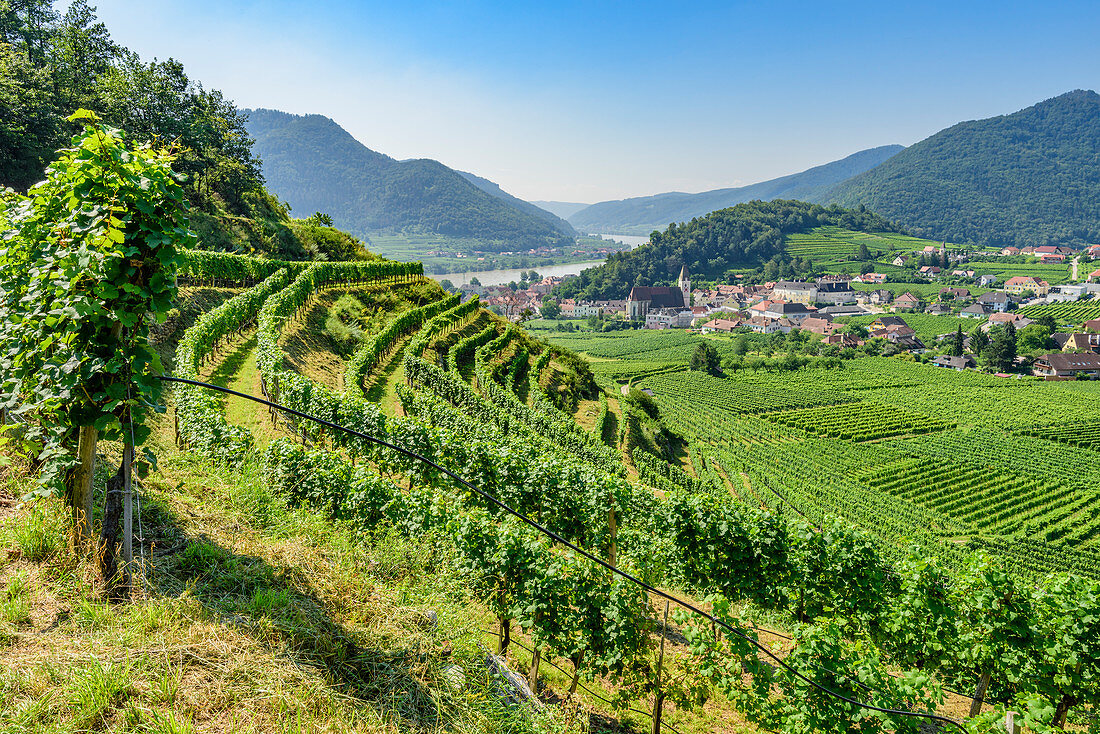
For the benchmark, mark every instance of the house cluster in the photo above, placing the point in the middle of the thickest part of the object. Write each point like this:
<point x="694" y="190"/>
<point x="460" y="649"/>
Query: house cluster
<point x="509" y="302"/>
<point x="1045" y="253"/>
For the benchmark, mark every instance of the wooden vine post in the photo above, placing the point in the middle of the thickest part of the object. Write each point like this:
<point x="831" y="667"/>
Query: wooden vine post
<point x="658" y="693"/>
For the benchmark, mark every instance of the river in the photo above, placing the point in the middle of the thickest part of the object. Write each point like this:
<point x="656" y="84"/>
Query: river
<point x="502" y="277"/>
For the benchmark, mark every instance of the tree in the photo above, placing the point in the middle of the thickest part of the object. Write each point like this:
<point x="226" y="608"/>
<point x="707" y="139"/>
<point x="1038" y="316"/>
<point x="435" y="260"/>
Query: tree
<point x="321" y="219"/>
<point x="740" y="344"/>
<point x="550" y="309"/>
<point x="475" y="281"/>
<point x="863" y="253"/>
<point x="1034" y="337"/>
<point x="1001" y="352"/>
<point x="979" y="340"/>
<point x="447" y="285"/>
<point x="1047" y="321"/>
<point x="957" y="349"/>
<point x="705" y="359"/>
<point x="857" y="330"/>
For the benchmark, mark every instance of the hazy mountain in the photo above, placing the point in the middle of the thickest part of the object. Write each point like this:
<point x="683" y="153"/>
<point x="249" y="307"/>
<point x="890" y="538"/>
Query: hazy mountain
<point x="315" y="165"/>
<point x="491" y="188"/>
<point x="1031" y="177"/>
<point x="644" y="214"/>
<point x="563" y="209"/>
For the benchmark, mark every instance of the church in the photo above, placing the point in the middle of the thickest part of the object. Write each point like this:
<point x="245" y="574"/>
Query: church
<point x="643" y="299"/>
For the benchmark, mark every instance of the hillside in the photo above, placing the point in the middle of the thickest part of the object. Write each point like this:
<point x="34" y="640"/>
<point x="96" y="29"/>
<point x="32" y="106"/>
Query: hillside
<point x="746" y="235"/>
<point x="315" y="165"/>
<point x="494" y="189"/>
<point x="1028" y="178"/>
<point x="644" y="214"/>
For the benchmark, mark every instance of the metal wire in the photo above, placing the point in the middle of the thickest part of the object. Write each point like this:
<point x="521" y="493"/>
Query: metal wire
<point x="577" y="549"/>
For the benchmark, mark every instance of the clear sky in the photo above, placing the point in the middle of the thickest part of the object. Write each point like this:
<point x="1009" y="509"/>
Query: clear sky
<point x="587" y="101"/>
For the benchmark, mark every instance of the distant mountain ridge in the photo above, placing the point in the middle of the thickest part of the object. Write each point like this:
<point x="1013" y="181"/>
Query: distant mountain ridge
<point x="563" y="209"/>
<point x="644" y="214"/>
<point x="315" y="165"/>
<point x="1031" y="177"/>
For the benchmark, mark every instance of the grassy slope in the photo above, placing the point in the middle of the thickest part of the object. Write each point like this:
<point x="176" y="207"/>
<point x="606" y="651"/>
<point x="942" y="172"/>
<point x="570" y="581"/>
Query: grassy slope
<point x="254" y="616"/>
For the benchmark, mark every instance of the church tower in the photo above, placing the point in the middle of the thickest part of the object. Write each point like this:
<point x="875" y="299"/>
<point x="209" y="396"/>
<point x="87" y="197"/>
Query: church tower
<point x="685" y="286"/>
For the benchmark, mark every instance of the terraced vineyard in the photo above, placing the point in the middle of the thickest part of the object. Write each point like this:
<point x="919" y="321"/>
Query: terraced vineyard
<point x="834" y="243"/>
<point x="1053" y="273"/>
<point x="1076" y="312"/>
<point x="859" y="421"/>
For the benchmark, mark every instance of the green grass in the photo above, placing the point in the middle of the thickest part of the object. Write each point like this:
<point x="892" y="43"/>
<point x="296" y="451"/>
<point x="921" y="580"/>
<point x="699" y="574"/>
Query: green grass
<point x="255" y="617"/>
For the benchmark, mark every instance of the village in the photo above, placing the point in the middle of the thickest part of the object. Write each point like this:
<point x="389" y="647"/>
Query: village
<point x="824" y="306"/>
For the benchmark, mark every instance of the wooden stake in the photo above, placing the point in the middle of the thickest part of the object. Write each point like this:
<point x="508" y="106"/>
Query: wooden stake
<point x="658" y="695"/>
<point x="82" y="486"/>
<point x="127" y="513"/>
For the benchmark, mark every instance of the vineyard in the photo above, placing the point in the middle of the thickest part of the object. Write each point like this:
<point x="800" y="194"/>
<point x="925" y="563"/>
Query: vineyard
<point x="446" y="470"/>
<point x="1065" y="313"/>
<point x="859" y="421"/>
<point x="835" y="244"/>
<point x="1084" y="434"/>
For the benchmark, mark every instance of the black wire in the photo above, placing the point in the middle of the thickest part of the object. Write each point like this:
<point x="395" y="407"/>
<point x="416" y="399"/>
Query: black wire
<point x="559" y="539"/>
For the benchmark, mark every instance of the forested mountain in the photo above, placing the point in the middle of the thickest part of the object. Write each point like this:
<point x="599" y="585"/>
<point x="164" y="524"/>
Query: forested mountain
<point x="748" y="234"/>
<point x="563" y="209"/>
<point x="489" y="187"/>
<point x="51" y="64"/>
<point x="641" y="215"/>
<point x="1029" y="178"/>
<point x="316" y="165"/>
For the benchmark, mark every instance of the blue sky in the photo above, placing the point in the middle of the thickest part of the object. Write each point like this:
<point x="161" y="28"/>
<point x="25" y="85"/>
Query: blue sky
<point x="586" y="101"/>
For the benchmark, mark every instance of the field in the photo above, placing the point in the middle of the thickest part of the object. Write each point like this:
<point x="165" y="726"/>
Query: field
<point x="1038" y="486"/>
<point x="834" y="245"/>
<point x="859" y="421"/>
<point x="1053" y="273"/>
<point x="1065" y="313"/>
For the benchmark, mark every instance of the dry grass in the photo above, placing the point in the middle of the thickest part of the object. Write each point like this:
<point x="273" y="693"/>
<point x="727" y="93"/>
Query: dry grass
<point x="253" y="617"/>
<point x="309" y="351"/>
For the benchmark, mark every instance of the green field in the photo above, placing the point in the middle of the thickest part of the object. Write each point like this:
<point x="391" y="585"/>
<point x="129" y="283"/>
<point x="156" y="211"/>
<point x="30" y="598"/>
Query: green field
<point x="1053" y="273"/>
<point x="1076" y="312"/>
<point x="981" y="479"/>
<point x="833" y="244"/>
